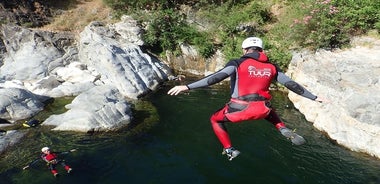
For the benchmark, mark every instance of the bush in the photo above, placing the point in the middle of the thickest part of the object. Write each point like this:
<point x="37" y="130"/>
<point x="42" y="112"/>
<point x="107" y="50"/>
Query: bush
<point x="312" y="24"/>
<point x="232" y="24"/>
<point x="168" y="29"/>
<point x="163" y="30"/>
<point x="330" y="23"/>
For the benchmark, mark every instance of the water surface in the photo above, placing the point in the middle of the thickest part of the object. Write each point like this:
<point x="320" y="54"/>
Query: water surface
<point x="171" y="141"/>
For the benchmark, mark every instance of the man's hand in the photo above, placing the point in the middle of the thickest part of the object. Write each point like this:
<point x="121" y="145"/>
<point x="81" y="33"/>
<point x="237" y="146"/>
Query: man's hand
<point x="322" y="99"/>
<point x="26" y="167"/>
<point x="177" y="89"/>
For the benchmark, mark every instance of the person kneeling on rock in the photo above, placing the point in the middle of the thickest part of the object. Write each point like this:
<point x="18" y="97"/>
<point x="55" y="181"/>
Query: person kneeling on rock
<point x="52" y="160"/>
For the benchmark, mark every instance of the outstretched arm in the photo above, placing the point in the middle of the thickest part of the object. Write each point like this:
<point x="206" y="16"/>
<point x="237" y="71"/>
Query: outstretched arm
<point x="31" y="163"/>
<point x="206" y="81"/>
<point x="296" y="88"/>
<point x="66" y="152"/>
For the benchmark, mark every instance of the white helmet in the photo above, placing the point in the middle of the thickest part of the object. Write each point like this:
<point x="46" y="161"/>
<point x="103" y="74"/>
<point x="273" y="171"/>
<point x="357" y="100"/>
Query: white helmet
<point x="44" y="149"/>
<point x="252" y="42"/>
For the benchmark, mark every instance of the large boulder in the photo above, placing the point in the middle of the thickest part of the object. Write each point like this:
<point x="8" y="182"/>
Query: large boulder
<point x="119" y="62"/>
<point x="101" y="108"/>
<point x="32" y="54"/>
<point x="350" y="80"/>
<point x="17" y="104"/>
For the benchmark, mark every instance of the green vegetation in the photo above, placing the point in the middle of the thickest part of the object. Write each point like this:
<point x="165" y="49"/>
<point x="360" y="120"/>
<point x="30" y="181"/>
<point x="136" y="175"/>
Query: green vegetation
<point x="331" y="23"/>
<point x="284" y="25"/>
<point x="168" y="29"/>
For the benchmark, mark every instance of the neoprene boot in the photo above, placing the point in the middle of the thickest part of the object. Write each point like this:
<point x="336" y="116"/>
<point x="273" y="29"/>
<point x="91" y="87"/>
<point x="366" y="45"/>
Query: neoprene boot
<point x="231" y="153"/>
<point x="295" y="138"/>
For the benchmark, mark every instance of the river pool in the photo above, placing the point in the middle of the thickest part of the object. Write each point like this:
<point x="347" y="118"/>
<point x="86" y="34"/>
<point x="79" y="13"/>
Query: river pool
<point x="171" y="141"/>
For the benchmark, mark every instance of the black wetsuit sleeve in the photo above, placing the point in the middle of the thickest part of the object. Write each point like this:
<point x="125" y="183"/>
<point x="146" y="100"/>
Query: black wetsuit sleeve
<point x="294" y="86"/>
<point x="213" y="78"/>
<point x="62" y="152"/>
<point x="34" y="162"/>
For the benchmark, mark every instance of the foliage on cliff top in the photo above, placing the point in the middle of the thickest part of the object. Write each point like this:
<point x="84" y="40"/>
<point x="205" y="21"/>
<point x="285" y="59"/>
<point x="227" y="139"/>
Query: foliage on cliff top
<point x="283" y="25"/>
<point x="223" y="24"/>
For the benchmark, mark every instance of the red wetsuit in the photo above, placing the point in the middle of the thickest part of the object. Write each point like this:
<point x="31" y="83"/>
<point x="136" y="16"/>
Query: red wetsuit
<point x="52" y="160"/>
<point x="251" y="76"/>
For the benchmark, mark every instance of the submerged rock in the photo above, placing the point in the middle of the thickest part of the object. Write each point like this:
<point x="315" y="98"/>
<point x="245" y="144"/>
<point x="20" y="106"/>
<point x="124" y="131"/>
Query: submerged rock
<point x="9" y="138"/>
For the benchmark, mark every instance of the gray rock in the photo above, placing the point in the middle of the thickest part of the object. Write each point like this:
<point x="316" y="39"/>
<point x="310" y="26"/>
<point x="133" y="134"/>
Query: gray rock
<point x="350" y="80"/>
<point x="101" y="108"/>
<point x="31" y="54"/>
<point x="104" y="69"/>
<point x="119" y="62"/>
<point x="129" y="30"/>
<point x="17" y="104"/>
<point x="50" y="64"/>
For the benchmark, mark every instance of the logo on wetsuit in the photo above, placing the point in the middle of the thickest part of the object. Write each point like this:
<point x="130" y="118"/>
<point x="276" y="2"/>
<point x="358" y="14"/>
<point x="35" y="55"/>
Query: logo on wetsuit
<point x="254" y="72"/>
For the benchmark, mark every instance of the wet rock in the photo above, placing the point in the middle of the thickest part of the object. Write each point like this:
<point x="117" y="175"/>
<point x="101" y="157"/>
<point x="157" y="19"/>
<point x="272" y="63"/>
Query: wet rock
<point x="9" y="138"/>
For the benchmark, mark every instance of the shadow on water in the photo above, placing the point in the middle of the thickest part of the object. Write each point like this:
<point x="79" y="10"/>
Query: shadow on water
<point x="171" y="141"/>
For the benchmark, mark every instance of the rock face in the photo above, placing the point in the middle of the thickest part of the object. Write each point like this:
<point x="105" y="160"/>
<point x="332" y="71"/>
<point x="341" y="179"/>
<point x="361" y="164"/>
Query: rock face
<point x="119" y="62"/>
<point x="350" y="79"/>
<point x="101" y="108"/>
<point x="191" y="62"/>
<point x="32" y="55"/>
<point x="106" y="66"/>
<point x="18" y="103"/>
<point x="102" y="68"/>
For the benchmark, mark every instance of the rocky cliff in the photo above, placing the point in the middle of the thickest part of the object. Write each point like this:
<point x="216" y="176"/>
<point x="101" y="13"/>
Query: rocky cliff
<point x="103" y="68"/>
<point x="350" y="80"/>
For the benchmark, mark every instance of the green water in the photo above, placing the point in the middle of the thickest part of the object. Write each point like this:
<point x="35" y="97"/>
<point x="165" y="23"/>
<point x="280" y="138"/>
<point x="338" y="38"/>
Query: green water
<point x="171" y="141"/>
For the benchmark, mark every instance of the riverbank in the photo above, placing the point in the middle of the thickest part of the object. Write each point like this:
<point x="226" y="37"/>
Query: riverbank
<point x="349" y="78"/>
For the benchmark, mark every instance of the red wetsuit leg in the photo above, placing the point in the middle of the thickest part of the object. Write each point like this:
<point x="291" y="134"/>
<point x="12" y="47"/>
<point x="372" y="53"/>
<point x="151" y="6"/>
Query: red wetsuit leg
<point x="217" y="122"/>
<point x="275" y="120"/>
<point x="67" y="167"/>
<point x="54" y="172"/>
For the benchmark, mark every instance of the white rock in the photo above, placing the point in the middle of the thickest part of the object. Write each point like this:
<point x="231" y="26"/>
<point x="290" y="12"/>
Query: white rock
<point x="119" y="63"/>
<point x="350" y="80"/>
<point x="129" y="30"/>
<point x="101" y="108"/>
<point x="17" y="104"/>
